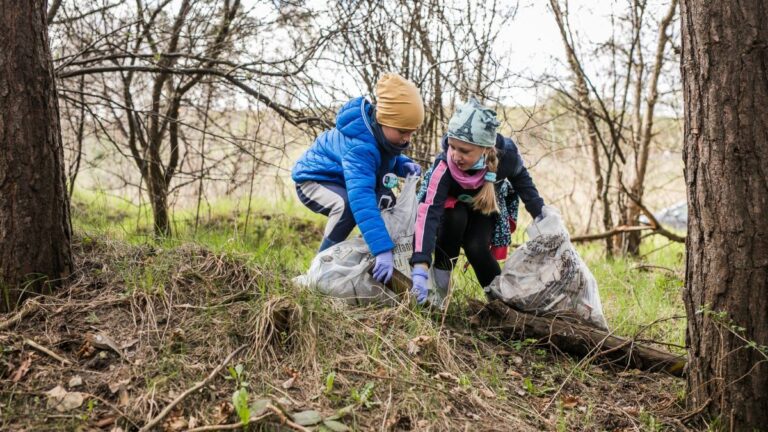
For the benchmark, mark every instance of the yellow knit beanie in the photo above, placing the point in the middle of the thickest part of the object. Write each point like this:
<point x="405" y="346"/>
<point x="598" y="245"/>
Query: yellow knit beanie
<point x="398" y="103"/>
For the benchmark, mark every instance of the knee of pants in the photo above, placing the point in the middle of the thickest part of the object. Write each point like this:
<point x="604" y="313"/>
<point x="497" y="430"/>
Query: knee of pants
<point x="477" y="249"/>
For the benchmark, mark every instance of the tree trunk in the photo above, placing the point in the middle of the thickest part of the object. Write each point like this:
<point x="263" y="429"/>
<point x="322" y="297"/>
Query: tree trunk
<point x="725" y="76"/>
<point x="35" y="229"/>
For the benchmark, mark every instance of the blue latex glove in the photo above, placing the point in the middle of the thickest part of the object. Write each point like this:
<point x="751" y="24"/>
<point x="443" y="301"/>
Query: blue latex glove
<point x="382" y="270"/>
<point x="412" y="169"/>
<point x="419" y="289"/>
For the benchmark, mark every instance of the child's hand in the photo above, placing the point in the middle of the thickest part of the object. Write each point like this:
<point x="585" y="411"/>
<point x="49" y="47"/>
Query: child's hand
<point x="412" y="169"/>
<point x="382" y="270"/>
<point x="419" y="289"/>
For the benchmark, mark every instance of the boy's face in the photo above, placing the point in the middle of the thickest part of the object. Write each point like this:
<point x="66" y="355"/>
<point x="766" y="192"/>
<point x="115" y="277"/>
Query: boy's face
<point x="464" y="154"/>
<point x="398" y="137"/>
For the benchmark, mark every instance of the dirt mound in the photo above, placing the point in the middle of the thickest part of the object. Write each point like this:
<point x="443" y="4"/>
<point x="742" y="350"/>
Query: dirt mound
<point x="137" y="326"/>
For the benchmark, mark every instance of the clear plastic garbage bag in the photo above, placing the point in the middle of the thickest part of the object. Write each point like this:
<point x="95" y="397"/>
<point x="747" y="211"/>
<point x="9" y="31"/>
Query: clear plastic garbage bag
<point x="342" y="270"/>
<point x="546" y="275"/>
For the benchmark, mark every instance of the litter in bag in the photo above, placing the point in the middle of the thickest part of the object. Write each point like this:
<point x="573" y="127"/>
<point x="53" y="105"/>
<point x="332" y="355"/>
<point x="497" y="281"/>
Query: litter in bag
<point x="546" y="276"/>
<point x="342" y="270"/>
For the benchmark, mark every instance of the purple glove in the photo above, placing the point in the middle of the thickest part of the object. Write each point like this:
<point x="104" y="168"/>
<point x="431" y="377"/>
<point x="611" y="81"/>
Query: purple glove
<point x="412" y="169"/>
<point x="382" y="270"/>
<point x="419" y="289"/>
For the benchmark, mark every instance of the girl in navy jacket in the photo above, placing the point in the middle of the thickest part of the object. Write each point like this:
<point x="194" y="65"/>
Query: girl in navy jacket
<point x="460" y="206"/>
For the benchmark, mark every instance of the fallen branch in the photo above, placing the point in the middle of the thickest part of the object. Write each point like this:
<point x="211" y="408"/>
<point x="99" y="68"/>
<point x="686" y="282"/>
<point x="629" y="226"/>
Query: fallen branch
<point x="577" y="338"/>
<point x="28" y="307"/>
<point x="46" y="351"/>
<point x="152" y="423"/>
<point x="674" y="272"/>
<point x="611" y="233"/>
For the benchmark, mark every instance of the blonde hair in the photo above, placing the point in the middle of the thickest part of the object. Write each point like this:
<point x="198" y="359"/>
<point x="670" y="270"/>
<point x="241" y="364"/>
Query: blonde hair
<point x="485" y="200"/>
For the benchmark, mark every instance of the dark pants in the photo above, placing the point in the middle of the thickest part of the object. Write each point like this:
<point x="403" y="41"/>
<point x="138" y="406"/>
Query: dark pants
<point x="464" y="227"/>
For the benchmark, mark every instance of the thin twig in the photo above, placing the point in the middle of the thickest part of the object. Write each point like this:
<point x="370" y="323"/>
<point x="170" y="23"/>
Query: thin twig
<point x="229" y="426"/>
<point x="656" y="267"/>
<point x="285" y="420"/>
<point x="696" y="412"/>
<point x="26" y="309"/>
<point x="45" y="350"/>
<point x="152" y="423"/>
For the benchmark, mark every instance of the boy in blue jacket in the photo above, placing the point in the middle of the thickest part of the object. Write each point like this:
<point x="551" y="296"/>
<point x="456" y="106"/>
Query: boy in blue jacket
<point x="347" y="172"/>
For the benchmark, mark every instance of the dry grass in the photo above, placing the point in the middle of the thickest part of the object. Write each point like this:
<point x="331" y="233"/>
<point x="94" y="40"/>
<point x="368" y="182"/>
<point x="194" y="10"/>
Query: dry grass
<point x="178" y="313"/>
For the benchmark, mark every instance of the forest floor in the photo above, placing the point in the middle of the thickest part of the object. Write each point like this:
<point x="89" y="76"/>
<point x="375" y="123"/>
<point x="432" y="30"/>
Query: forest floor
<point x="141" y="322"/>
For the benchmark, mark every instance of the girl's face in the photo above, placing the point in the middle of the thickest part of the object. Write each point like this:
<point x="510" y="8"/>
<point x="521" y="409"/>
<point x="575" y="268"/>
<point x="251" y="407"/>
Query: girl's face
<point x="398" y="137"/>
<point x="464" y="154"/>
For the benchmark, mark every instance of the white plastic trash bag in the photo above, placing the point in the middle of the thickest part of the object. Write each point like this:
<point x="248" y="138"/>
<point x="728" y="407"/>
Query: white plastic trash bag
<point x="547" y="276"/>
<point x="342" y="270"/>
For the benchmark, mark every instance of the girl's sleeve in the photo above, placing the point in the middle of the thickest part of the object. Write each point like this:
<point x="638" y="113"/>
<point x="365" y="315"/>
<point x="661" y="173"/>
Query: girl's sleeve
<point x="522" y="183"/>
<point x="429" y="213"/>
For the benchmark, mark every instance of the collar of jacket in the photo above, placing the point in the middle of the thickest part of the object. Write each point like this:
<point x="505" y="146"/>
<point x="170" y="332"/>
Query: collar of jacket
<point x="375" y="128"/>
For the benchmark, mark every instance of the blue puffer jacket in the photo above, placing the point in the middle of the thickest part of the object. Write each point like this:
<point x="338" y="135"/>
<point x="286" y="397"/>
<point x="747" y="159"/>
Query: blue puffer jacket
<point x="350" y="155"/>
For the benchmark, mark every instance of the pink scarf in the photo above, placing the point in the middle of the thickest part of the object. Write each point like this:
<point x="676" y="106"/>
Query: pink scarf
<point x="467" y="181"/>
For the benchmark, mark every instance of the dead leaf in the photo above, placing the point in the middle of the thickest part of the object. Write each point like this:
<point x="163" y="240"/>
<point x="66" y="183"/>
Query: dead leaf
<point x="633" y="411"/>
<point x="86" y="350"/>
<point x="106" y="421"/>
<point x="103" y="341"/>
<point x="473" y="416"/>
<point x="122" y="398"/>
<point x="488" y="393"/>
<point x="446" y="376"/>
<point x="114" y="387"/>
<point x="75" y="381"/>
<point x="415" y="344"/>
<point x="221" y="412"/>
<point x="175" y="423"/>
<point x="23" y="368"/>
<point x="570" y="402"/>
<point x="513" y="373"/>
<point x="287" y="384"/>
<point x="62" y="400"/>
<point x="129" y="344"/>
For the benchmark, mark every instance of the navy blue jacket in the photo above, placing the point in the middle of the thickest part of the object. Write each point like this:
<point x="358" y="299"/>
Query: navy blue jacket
<point x="351" y="155"/>
<point x="442" y="185"/>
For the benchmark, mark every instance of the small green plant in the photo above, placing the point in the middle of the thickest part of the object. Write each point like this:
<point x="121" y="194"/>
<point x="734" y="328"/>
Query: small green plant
<point x="329" y="380"/>
<point x="649" y="421"/>
<point x="518" y="345"/>
<point x="363" y="396"/>
<point x="529" y="386"/>
<point x="533" y="389"/>
<point x="562" y="420"/>
<point x="464" y="381"/>
<point x="92" y="318"/>
<point x="240" y="396"/>
<point x="89" y="409"/>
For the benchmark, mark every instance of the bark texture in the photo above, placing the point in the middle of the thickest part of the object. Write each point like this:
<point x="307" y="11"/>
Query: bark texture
<point x="725" y="83"/>
<point x="35" y="229"/>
